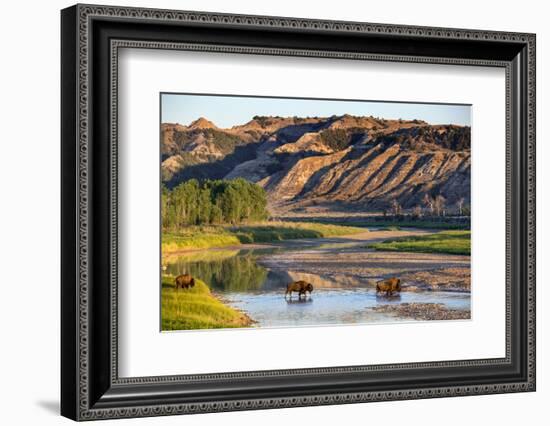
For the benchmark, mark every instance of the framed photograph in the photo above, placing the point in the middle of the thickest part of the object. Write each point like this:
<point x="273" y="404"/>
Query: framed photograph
<point x="263" y="212"/>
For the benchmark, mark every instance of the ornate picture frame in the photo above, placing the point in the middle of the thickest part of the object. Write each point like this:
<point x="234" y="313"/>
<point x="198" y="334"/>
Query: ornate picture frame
<point x="90" y="40"/>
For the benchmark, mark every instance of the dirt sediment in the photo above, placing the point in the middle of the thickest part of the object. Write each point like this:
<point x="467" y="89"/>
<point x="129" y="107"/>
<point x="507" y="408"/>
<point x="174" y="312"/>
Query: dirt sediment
<point x="423" y="311"/>
<point x="446" y="279"/>
<point x="346" y="260"/>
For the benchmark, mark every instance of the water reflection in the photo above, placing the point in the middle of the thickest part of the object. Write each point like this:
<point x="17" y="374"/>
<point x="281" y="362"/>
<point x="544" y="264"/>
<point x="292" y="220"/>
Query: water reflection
<point x="300" y="301"/>
<point x="396" y="297"/>
<point x="223" y="272"/>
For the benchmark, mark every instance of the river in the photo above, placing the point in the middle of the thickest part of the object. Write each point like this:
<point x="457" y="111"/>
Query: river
<point x="342" y="270"/>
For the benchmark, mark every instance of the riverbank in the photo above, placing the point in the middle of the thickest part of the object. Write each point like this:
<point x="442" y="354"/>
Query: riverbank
<point x="349" y="262"/>
<point x="203" y="237"/>
<point x="197" y="308"/>
<point x="453" y="279"/>
<point x="448" y="242"/>
<point x="374" y="220"/>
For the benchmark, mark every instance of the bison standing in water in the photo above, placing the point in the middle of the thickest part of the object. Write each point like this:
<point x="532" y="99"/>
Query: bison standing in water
<point x="185" y="281"/>
<point x="300" y="286"/>
<point x="389" y="286"/>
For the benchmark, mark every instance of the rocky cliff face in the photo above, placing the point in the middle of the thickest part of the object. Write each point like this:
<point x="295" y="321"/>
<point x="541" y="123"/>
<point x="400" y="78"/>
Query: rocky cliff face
<point x="343" y="163"/>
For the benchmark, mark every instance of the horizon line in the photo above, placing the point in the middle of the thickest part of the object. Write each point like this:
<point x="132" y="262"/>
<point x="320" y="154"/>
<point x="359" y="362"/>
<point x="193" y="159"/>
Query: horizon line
<point x="231" y="110"/>
<point x="310" y="117"/>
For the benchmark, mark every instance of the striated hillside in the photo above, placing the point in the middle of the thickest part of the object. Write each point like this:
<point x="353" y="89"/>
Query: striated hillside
<point x="339" y="163"/>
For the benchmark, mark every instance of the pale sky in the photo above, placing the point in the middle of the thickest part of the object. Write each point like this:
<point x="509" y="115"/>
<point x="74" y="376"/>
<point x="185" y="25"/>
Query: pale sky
<point x="227" y="111"/>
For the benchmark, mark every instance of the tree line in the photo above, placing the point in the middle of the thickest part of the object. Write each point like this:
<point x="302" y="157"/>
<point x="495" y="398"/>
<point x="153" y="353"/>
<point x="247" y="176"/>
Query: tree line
<point x="434" y="206"/>
<point x="212" y="202"/>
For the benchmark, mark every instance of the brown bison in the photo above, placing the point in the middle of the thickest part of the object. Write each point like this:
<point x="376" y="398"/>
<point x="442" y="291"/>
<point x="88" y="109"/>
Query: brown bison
<point x="185" y="281"/>
<point x="389" y="286"/>
<point x="300" y="286"/>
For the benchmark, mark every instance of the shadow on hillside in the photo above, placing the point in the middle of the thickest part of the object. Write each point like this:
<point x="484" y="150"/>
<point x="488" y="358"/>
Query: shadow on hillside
<point x="216" y="169"/>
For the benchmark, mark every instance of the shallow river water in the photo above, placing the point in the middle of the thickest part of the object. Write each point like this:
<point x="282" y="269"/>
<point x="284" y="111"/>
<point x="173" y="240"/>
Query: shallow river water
<point x="333" y="306"/>
<point x="343" y="274"/>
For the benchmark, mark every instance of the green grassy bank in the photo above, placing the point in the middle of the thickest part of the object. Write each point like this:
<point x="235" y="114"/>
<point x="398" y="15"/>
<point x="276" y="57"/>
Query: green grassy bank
<point x="198" y="237"/>
<point x="420" y="224"/>
<point x="451" y="242"/>
<point x="196" y="308"/>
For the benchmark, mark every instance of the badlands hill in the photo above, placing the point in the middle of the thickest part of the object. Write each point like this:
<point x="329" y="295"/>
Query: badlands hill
<point x="339" y="163"/>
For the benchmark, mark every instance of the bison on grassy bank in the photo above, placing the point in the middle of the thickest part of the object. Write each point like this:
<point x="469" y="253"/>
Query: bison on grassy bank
<point x="302" y="287"/>
<point x="185" y="281"/>
<point x="389" y="286"/>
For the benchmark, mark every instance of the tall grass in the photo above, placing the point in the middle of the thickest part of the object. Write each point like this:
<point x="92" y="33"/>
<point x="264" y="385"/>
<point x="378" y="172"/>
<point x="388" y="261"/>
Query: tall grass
<point x="198" y="237"/>
<point x="201" y="256"/>
<point x="451" y="242"/>
<point x="173" y="242"/>
<point x="279" y="231"/>
<point x="196" y="308"/>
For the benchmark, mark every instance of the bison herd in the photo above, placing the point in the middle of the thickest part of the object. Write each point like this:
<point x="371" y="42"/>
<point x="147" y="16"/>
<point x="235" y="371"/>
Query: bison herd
<point x="388" y="287"/>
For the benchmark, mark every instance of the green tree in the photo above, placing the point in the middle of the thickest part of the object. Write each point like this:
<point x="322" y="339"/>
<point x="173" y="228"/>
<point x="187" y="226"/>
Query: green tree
<point x="218" y="201"/>
<point x="216" y="215"/>
<point x="204" y="206"/>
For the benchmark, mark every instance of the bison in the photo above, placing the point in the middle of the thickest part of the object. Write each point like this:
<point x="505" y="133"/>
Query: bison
<point x="185" y="281"/>
<point x="389" y="286"/>
<point x="300" y="286"/>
